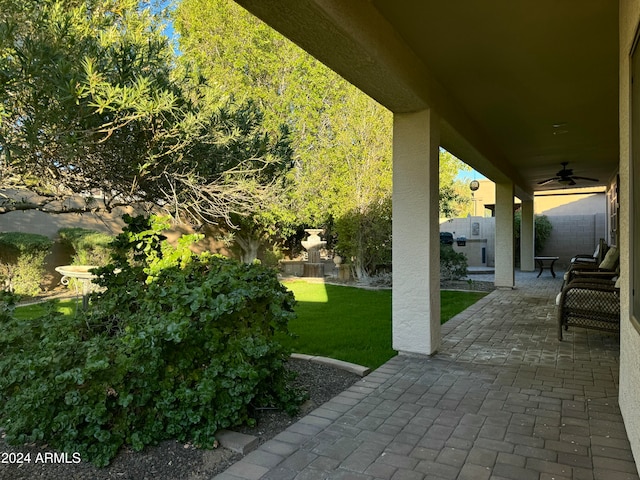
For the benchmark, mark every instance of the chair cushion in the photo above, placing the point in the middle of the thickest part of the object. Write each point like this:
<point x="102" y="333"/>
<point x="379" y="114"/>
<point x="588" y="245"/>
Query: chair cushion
<point x="610" y="259"/>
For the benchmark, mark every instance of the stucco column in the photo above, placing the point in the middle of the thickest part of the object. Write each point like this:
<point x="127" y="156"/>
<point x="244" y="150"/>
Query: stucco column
<point x="416" y="240"/>
<point x="505" y="277"/>
<point x="527" y="237"/>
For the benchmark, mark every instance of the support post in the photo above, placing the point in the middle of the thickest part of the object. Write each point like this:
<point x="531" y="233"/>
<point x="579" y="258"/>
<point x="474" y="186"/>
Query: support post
<point x="527" y="237"/>
<point x="416" y="240"/>
<point x="505" y="275"/>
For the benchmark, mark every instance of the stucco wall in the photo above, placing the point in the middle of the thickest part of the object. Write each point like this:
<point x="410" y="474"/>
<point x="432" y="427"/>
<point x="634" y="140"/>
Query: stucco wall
<point x="630" y="337"/>
<point x="575" y="204"/>
<point x="571" y="235"/>
<point x="474" y="228"/>
<point x="35" y="221"/>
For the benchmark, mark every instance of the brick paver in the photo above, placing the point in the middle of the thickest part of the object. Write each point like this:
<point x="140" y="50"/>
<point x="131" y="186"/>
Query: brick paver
<point x="502" y="399"/>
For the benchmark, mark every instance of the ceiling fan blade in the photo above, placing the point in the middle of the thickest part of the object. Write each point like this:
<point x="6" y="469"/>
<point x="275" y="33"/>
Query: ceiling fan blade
<point x="586" y="178"/>
<point x="572" y="182"/>
<point x="548" y="180"/>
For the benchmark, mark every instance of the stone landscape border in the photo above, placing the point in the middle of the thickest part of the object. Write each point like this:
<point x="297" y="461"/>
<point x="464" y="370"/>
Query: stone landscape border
<point x="243" y="443"/>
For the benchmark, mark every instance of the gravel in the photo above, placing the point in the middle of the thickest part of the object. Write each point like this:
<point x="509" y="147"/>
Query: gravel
<point x="171" y="460"/>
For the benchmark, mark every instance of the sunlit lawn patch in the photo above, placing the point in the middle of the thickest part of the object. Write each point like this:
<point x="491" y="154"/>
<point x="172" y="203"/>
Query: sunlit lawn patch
<point x="353" y="324"/>
<point x="66" y="307"/>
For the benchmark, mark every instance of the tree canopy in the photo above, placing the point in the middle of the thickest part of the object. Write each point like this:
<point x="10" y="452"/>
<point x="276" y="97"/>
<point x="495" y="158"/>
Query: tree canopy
<point x="92" y="103"/>
<point x="341" y="138"/>
<point x="237" y="124"/>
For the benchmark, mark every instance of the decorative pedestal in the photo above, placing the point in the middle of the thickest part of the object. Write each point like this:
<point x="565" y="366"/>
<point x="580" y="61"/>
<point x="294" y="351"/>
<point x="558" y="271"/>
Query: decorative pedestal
<point x="314" y="266"/>
<point x="81" y="273"/>
<point x="313" y="270"/>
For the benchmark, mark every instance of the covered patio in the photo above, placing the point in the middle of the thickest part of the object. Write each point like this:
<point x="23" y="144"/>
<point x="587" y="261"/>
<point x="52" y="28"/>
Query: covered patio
<point x="503" y="399"/>
<point x="516" y="90"/>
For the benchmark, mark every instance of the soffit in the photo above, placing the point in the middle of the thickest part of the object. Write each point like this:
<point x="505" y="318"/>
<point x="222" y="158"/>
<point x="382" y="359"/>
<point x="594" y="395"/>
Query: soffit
<point x="501" y="74"/>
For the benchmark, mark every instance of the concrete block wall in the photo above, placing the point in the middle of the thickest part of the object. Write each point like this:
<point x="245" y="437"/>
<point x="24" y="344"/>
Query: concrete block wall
<point x="571" y="235"/>
<point x="574" y="234"/>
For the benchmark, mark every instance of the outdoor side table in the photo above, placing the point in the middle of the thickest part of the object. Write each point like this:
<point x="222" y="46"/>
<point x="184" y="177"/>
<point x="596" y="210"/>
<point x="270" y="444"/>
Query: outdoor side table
<point x="546" y="262"/>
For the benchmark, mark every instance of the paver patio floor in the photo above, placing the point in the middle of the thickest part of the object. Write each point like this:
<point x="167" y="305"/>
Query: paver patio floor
<point x="502" y="399"/>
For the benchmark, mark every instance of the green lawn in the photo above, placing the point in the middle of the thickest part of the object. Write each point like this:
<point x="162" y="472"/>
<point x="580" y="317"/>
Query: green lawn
<point x="346" y="323"/>
<point x="353" y="324"/>
<point x="67" y="307"/>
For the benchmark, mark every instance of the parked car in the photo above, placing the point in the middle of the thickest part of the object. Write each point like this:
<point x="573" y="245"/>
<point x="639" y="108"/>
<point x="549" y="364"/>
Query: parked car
<point x="446" y="238"/>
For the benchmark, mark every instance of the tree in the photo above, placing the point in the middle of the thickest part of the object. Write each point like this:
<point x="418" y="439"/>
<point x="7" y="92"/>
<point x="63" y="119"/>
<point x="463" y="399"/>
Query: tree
<point x="92" y="103"/>
<point x="341" y="138"/>
<point x="452" y="199"/>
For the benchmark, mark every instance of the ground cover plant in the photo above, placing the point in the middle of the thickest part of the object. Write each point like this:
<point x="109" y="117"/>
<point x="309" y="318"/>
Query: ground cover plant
<point x="177" y="345"/>
<point x="353" y="324"/>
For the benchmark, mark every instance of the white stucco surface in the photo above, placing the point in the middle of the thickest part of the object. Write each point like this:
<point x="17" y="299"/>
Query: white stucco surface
<point x="629" y="335"/>
<point x="527" y="237"/>
<point x="505" y="264"/>
<point x="416" y="255"/>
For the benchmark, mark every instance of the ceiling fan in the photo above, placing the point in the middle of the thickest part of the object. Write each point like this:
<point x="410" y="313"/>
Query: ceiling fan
<point x="566" y="177"/>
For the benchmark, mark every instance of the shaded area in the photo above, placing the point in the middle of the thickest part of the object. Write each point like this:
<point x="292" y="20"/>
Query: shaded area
<point x="502" y="399"/>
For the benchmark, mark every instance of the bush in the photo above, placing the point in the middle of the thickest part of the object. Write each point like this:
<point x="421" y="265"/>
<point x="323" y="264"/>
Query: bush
<point x="453" y="265"/>
<point x="89" y="246"/>
<point x="178" y="346"/>
<point x="364" y="237"/>
<point x="542" y="231"/>
<point x="22" y="261"/>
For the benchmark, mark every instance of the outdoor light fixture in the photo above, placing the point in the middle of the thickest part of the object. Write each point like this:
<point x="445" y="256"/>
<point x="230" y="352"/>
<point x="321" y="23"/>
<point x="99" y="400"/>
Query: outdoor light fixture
<point x="473" y="186"/>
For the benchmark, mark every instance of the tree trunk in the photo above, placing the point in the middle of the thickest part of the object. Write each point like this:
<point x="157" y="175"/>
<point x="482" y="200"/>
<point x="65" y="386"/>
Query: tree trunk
<point x="249" y="246"/>
<point x="359" y="266"/>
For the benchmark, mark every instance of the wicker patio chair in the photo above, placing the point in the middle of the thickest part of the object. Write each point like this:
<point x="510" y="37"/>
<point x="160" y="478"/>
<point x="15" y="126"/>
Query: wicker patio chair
<point x="608" y="267"/>
<point x="589" y="303"/>
<point x="594" y="258"/>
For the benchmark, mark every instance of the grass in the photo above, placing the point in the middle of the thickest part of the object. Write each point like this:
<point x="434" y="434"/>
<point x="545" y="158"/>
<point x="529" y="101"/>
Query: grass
<point x="346" y="323"/>
<point x="353" y="324"/>
<point x="30" y="312"/>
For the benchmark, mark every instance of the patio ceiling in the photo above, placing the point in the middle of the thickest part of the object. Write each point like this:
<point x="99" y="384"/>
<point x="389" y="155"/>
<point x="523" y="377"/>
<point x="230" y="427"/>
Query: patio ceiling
<point x="520" y="86"/>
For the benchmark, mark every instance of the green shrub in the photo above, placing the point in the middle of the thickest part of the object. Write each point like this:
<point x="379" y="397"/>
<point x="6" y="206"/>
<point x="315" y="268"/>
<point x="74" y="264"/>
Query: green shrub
<point x="364" y="235"/>
<point x="7" y="304"/>
<point x="22" y="258"/>
<point x="453" y="265"/>
<point x="178" y="346"/>
<point x="89" y="246"/>
<point x="542" y="231"/>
